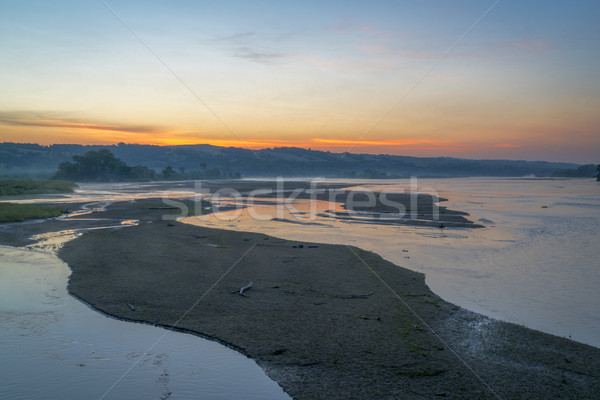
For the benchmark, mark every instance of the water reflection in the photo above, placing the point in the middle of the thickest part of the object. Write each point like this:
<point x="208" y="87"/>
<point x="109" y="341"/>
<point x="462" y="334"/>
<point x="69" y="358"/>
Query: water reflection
<point x="535" y="263"/>
<point x="54" y="346"/>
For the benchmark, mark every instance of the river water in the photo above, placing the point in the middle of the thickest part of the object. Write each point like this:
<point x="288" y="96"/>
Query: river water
<point x="53" y="346"/>
<point x="535" y="263"/>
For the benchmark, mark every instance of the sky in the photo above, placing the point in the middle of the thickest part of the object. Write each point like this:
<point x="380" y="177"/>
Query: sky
<point x="473" y="79"/>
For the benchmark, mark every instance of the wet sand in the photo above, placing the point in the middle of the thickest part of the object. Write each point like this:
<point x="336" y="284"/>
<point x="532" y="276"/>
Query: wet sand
<point x="324" y="321"/>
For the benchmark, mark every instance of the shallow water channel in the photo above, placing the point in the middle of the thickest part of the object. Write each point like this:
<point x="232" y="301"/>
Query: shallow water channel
<point x="535" y="263"/>
<point x="53" y="346"/>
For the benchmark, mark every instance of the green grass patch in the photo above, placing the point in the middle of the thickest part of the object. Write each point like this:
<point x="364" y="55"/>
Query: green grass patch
<point x="10" y="212"/>
<point x="18" y="187"/>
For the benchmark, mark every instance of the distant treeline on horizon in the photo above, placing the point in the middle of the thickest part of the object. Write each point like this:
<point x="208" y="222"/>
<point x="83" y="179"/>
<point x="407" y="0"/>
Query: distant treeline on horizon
<point x="102" y="166"/>
<point x="207" y="161"/>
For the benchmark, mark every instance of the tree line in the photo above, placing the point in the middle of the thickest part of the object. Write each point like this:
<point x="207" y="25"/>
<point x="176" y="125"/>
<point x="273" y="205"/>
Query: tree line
<point x="103" y="166"/>
<point x="33" y="160"/>
<point x="584" y="171"/>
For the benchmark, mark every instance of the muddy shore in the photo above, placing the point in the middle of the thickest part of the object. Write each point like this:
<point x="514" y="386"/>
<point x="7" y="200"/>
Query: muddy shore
<point x="324" y="321"/>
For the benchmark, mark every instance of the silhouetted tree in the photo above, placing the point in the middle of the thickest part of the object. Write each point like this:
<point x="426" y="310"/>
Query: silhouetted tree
<point x="139" y="173"/>
<point x="101" y="166"/>
<point x="169" y="174"/>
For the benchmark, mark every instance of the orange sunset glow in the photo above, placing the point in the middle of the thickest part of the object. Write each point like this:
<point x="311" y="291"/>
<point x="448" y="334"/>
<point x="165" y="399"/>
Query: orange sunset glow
<point x="299" y="200"/>
<point x="441" y="82"/>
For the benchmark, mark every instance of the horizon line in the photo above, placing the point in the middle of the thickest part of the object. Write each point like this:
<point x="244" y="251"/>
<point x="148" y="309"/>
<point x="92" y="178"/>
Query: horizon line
<point x="295" y="147"/>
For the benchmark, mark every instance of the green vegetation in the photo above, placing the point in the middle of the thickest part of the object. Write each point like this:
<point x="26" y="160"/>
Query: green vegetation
<point x="10" y="212"/>
<point x="169" y="174"/>
<point x="17" y="187"/>
<point x="206" y="162"/>
<point x="103" y="166"/>
<point x="598" y="171"/>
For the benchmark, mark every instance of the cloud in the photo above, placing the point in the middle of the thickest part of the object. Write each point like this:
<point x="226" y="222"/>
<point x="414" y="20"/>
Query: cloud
<point x="42" y="120"/>
<point x="236" y="37"/>
<point x="259" y="57"/>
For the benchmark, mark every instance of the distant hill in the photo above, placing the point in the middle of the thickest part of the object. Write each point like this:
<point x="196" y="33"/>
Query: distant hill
<point x="585" y="171"/>
<point x="25" y="159"/>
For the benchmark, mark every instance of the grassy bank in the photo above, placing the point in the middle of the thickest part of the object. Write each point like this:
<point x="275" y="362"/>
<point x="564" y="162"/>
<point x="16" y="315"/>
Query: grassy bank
<point x="10" y="212"/>
<point x="17" y="187"/>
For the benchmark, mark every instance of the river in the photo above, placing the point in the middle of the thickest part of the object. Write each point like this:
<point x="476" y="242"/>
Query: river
<point x="535" y="263"/>
<point x="53" y="346"/>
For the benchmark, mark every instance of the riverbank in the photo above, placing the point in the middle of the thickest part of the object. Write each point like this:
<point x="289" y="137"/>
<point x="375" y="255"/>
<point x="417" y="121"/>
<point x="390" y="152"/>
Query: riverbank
<point x="20" y="187"/>
<point x="317" y="318"/>
<point x="10" y="212"/>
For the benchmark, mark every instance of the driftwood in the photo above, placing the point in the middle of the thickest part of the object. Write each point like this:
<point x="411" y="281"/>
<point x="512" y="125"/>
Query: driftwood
<point x="309" y="363"/>
<point x="243" y="289"/>
<point x="166" y="396"/>
<point x="356" y="296"/>
<point x="131" y="307"/>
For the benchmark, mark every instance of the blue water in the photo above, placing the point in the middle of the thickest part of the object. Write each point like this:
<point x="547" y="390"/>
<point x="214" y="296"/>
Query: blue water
<point x="52" y="346"/>
<point x="535" y="263"/>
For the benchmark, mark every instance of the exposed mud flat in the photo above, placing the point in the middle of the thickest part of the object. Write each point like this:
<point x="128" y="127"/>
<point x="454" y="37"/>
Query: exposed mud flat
<point x="325" y="321"/>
